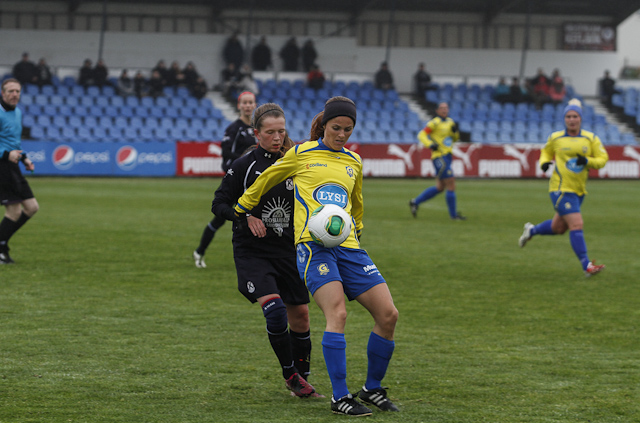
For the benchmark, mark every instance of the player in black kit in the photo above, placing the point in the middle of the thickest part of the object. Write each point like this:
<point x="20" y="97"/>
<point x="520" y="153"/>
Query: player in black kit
<point x="264" y="251"/>
<point x="237" y="138"/>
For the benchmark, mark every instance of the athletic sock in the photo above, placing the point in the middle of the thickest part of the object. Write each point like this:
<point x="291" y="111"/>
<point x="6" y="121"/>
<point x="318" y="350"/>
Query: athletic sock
<point x="334" y="349"/>
<point x="379" y="352"/>
<point x="450" y="196"/>
<point x="427" y="194"/>
<point x="208" y="234"/>
<point x="7" y="229"/>
<point x="579" y="247"/>
<point x="543" y="228"/>
<point x="275" y="313"/>
<point x="301" y="350"/>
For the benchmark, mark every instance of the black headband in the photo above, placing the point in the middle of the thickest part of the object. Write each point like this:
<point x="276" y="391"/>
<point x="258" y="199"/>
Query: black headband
<point x="339" y="108"/>
<point x="256" y="119"/>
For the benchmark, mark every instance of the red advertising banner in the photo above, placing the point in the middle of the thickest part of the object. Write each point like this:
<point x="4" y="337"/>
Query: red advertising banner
<point x="412" y="160"/>
<point x="198" y="159"/>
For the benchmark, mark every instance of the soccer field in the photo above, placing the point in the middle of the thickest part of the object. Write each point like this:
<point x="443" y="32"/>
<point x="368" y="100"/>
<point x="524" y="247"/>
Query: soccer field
<point x="105" y="318"/>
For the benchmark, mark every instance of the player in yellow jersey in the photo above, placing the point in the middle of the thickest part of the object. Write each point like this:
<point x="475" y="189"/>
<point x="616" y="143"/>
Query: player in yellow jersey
<point x="439" y="135"/>
<point x="325" y="172"/>
<point x="575" y="152"/>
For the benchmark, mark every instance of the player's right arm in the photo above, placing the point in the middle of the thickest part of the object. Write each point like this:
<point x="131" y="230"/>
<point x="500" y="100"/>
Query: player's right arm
<point x="547" y="154"/>
<point x="273" y="175"/>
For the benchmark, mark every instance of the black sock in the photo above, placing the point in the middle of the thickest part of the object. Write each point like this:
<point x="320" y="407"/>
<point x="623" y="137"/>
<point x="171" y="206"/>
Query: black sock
<point x="301" y="350"/>
<point x="208" y="234"/>
<point x="281" y="344"/>
<point x="6" y="230"/>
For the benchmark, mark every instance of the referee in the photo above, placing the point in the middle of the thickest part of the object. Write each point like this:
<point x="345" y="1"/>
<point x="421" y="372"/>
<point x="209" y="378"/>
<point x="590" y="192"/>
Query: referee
<point x="15" y="193"/>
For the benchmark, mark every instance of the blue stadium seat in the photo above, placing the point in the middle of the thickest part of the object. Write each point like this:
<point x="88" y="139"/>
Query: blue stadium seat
<point x="141" y="111"/>
<point x="103" y="101"/>
<point x="63" y="90"/>
<point x="151" y="123"/>
<point x="84" y="134"/>
<point x="105" y="122"/>
<point x="77" y="91"/>
<point x="146" y="134"/>
<point x="71" y="101"/>
<point x="59" y="121"/>
<point x="132" y="101"/>
<point x="121" y="122"/>
<point x="490" y="138"/>
<point x="49" y="110"/>
<point x="116" y="101"/>
<point x="196" y="123"/>
<point x="213" y="125"/>
<point x="53" y="133"/>
<point x="114" y="134"/>
<point x="99" y="134"/>
<point x="170" y="112"/>
<point x="176" y="102"/>
<point x="177" y="134"/>
<point x="96" y="111"/>
<point x="28" y="121"/>
<point x="181" y="123"/>
<point x="56" y="100"/>
<point x="166" y="123"/>
<point x="182" y="92"/>
<point x="147" y="102"/>
<point x="75" y="122"/>
<point x="43" y="120"/>
<point x="68" y="133"/>
<point x="108" y="91"/>
<point x="493" y="126"/>
<point x="26" y="100"/>
<point x="136" y="122"/>
<point x="131" y="134"/>
<point x="86" y="101"/>
<point x="161" y="134"/>
<point x="187" y="112"/>
<point x="162" y="102"/>
<point x="93" y="91"/>
<point x="37" y="133"/>
<point x="41" y="99"/>
<point x="192" y="134"/>
<point x="31" y="89"/>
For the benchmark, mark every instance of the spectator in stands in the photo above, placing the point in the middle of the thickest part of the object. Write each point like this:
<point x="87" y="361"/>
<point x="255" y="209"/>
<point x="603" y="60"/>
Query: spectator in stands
<point x="502" y="92"/>
<point x="85" y="78"/>
<point x="25" y="71"/>
<point x="164" y="71"/>
<point x="383" y="78"/>
<point x="140" y="85"/>
<point x="421" y="81"/>
<point x="100" y="74"/>
<point x="229" y="79"/>
<point x="607" y="88"/>
<point x="125" y="84"/>
<point x="290" y="53"/>
<point x="190" y="75"/>
<point x="233" y="51"/>
<point x="175" y="76"/>
<point x="246" y="81"/>
<point x="261" y="55"/>
<point x="517" y="93"/>
<point x="539" y="87"/>
<point x="309" y="55"/>
<point x="155" y="85"/>
<point x="43" y="73"/>
<point x="557" y="91"/>
<point x="200" y="88"/>
<point x="315" y="77"/>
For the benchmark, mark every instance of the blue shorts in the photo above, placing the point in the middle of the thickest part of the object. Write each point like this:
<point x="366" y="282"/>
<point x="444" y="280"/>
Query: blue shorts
<point x="566" y="202"/>
<point x="443" y="166"/>
<point x="353" y="267"/>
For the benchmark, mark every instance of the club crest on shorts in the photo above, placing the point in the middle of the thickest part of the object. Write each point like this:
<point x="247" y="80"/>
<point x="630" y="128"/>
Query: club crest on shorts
<point x="323" y="269"/>
<point x="251" y="288"/>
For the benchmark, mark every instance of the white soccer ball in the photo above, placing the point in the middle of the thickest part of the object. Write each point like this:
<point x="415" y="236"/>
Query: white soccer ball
<point x="329" y="225"/>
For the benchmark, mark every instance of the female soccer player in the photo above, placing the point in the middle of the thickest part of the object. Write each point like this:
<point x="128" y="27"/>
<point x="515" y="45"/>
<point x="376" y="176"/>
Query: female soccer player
<point x="575" y="151"/>
<point x="439" y="135"/>
<point x="237" y="138"/>
<point x="264" y="250"/>
<point x="325" y="172"/>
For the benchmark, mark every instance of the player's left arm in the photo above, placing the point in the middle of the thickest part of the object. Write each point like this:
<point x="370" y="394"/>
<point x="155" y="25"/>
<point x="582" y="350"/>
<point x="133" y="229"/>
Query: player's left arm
<point x="455" y="131"/>
<point x="357" y="203"/>
<point x="599" y="156"/>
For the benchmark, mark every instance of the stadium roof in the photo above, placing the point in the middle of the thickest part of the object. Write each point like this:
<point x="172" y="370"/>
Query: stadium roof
<point x="615" y="10"/>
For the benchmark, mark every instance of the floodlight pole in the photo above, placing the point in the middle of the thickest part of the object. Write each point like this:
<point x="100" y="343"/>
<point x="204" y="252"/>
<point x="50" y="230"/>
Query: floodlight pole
<point x="389" y="32"/>
<point x="525" y="46"/>
<point x="103" y="29"/>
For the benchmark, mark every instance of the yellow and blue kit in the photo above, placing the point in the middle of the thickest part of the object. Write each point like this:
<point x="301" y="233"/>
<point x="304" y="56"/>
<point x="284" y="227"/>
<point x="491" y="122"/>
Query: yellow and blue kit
<point x="568" y="176"/>
<point x="441" y="132"/>
<point x="321" y="176"/>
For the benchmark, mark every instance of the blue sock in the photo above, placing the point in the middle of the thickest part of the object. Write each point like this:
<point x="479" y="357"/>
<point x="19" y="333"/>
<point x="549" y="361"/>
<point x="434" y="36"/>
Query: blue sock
<point x="379" y="352"/>
<point x="579" y="247"/>
<point x="543" y="228"/>
<point x="427" y="194"/>
<point x="334" y="348"/>
<point x="451" y="203"/>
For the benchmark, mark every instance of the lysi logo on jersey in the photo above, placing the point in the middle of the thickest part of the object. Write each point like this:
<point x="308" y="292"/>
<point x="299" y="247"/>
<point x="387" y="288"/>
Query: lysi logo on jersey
<point x="331" y="194"/>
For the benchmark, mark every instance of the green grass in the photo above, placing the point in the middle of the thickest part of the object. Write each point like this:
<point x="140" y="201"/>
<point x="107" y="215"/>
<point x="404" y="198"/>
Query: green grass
<point x="104" y="318"/>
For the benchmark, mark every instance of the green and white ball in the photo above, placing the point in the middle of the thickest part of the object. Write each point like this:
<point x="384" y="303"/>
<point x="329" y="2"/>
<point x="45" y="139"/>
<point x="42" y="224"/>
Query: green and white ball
<point x="329" y="225"/>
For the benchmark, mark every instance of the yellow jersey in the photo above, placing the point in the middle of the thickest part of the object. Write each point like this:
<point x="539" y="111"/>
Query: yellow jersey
<point x="567" y="175"/>
<point x="320" y="176"/>
<point x="439" y="131"/>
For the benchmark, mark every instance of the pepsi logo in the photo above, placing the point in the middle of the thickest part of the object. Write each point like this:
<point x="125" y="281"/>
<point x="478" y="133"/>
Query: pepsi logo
<point x="62" y="157"/>
<point x="127" y="157"/>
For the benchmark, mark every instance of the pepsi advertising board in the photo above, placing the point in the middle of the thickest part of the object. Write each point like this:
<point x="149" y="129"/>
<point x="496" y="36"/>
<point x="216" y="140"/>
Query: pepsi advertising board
<point x="101" y="159"/>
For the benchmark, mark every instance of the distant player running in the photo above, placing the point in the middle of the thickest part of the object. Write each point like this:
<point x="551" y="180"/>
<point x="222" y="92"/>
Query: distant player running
<point x="237" y="138"/>
<point x="15" y="193"/>
<point x="439" y="135"/>
<point x="575" y="151"/>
